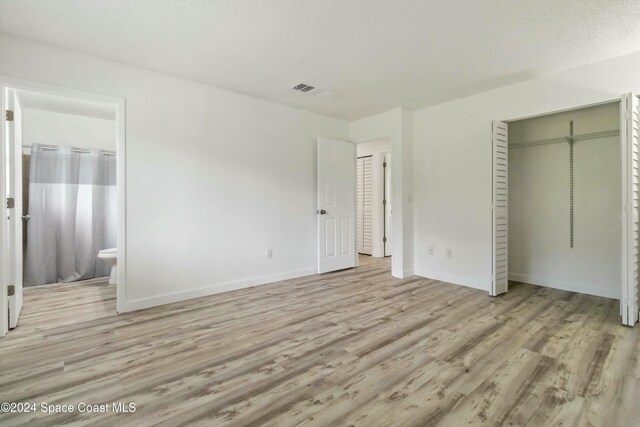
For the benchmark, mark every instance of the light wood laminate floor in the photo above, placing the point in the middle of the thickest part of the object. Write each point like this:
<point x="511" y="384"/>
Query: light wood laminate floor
<point x="349" y="348"/>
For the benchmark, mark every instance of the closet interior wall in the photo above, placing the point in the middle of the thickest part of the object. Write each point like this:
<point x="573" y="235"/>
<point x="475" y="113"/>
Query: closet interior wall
<point x="540" y="252"/>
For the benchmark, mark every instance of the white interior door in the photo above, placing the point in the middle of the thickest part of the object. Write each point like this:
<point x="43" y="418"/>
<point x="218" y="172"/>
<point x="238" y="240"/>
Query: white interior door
<point x="336" y="205"/>
<point x="500" y="267"/>
<point x="4" y="274"/>
<point x="629" y="153"/>
<point x="13" y="131"/>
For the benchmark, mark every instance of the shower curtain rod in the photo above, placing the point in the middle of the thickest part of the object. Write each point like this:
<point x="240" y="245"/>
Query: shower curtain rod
<point x="582" y="137"/>
<point x="75" y="150"/>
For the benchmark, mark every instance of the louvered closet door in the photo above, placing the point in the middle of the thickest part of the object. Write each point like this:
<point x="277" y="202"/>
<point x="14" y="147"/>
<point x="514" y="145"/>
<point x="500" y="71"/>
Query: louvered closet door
<point x="630" y="198"/>
<point x="365" y="205"/>
<point x="500" y="281"/>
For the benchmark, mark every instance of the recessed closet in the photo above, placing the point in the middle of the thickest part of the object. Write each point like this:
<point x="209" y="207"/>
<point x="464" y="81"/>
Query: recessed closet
<point x="564" y="187"/>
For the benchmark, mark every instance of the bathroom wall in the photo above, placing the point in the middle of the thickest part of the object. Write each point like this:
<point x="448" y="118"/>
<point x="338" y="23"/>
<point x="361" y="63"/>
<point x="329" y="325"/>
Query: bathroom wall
<point x="539" y="251"/>
<point x="50" y="127"/>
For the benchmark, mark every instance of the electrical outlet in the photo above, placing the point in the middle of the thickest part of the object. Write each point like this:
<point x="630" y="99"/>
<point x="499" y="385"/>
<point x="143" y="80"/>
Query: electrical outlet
<point x="449" y="253"/>
<point x="269" y="253"/>
<point x="430" y="250"/>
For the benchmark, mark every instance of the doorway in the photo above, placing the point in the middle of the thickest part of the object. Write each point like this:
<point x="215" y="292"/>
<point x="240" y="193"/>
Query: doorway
<point x="62" y="174"/>
<point x="565" y="214"/>
<point x="373" y="190"/>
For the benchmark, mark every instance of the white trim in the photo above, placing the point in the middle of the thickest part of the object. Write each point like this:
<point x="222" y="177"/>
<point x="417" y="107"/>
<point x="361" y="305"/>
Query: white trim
<point x="120" y="161"/>
<point x="565" y="286"/>
<point x="172" y="297"/>
<point x="121" y="172"/>
<point x="469" y="282"/>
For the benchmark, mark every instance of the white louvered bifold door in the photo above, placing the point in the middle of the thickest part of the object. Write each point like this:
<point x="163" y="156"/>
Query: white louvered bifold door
<point x="500" y="273"/>
<point x="630" y="197"/>
<point x="365" y="205"/>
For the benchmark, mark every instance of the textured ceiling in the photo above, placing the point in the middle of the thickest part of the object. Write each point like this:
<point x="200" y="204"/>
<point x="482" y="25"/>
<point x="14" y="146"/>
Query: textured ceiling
<point x="366" y="56"/>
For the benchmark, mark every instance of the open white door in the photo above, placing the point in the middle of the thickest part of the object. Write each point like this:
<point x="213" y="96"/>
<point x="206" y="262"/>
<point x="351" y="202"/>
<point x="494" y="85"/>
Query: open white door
<point x="336" y="205"/>
<point x="630" y="206"/>
<point x="13" y="177"/>
<point x="4" y="274"/>
<point x="500" y="265"/>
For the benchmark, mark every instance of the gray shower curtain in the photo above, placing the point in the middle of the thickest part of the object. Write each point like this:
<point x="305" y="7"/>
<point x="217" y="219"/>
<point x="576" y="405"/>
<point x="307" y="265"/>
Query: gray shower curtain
<point x="72" y="205"/>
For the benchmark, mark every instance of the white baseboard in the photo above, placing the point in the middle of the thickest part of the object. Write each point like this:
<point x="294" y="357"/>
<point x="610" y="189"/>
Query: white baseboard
<point x="469" y="282"/>
<point x="565" y="286"/>
<point x="168" y="298"/>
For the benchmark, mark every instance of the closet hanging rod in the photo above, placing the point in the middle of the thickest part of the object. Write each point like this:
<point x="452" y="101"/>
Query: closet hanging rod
<point x="582" y="137"/>
<point x="75" y="150"/>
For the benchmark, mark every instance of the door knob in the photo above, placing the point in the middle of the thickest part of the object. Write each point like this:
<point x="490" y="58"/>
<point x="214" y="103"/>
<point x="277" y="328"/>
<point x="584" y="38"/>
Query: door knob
<point x="26" y="217"/>
<point x="322" y="212"/>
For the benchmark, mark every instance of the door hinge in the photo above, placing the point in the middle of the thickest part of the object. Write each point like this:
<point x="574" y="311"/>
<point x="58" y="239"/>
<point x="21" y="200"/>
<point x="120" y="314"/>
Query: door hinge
<point x="11" y="290"/>
<point x="384" y="202"/>
<point x="384" y="240"/>
<point x="11" y="203"/>
<point x="384" y="164"/>
<point x="9" y="115"/>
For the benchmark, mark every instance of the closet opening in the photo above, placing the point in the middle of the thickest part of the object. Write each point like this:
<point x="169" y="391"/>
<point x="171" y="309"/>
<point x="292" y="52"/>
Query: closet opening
<point x="565" y="202"/>
<point x="374" y="232"/>
<point x="64" y="201"/>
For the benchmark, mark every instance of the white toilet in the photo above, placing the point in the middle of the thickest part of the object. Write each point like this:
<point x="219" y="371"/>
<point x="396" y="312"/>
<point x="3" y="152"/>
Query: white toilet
<point x="110" y="256"/>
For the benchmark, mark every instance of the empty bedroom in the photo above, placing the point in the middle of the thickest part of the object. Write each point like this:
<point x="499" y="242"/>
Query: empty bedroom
<point x="322" y="213"/>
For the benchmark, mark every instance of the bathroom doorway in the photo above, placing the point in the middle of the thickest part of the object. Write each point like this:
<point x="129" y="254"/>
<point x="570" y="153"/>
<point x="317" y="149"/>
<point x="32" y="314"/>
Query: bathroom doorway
<point x="62" y="179"/>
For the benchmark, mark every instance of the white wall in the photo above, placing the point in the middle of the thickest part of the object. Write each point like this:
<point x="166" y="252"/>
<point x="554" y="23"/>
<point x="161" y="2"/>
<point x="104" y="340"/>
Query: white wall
<point x="396" y="125"/>
<point x="49" y="127"/>
<point x="379" y="151"/>
<point x="213" y="177"/>
<point x="453" y="161"/>
<point x="539" y="251"/>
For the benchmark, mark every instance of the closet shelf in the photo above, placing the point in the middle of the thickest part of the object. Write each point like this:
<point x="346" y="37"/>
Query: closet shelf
<point x="582" y="137"/>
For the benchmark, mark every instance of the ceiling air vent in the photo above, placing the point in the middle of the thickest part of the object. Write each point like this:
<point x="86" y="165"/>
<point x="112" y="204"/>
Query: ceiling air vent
<point x="303" y="87"/>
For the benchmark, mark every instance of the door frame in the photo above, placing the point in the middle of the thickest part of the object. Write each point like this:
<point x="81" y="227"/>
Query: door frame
<point x="120" y="106"/>
<point x="623" y="184"/>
